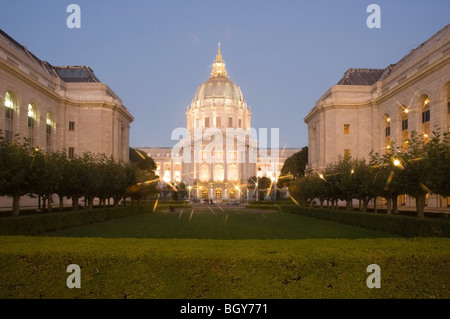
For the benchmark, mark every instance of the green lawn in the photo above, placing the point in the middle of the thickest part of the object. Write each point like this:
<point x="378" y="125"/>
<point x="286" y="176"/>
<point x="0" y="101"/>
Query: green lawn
<point x="245" y="254"/>
<point x="227" y="224"/>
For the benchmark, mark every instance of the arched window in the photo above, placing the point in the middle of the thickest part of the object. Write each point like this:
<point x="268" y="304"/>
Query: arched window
<point x="218" y="173"/>
<point x="204" y="173"/>
<point x="218" y="192"/>
<point x="10" y="107"/>
<point x="232" y="193"/>
<point x="232" y="173"/>
<point x="31" y="123"/>
<point x="204" y="192"/>
<point x="387" y="131"/>
<point x="49" y="131"/>
<point x="404" y="116"/>
<point x="426" y="117"/>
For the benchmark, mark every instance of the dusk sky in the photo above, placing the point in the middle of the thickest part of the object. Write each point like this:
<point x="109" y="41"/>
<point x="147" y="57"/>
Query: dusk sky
<point x="284" y="55"/>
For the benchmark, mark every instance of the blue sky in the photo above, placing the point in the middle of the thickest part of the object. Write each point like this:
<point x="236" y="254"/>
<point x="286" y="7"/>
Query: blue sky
<point x="283" y="54"/>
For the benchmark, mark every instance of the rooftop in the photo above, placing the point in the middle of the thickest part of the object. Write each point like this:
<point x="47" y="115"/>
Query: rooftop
<point x="361" y="76"/>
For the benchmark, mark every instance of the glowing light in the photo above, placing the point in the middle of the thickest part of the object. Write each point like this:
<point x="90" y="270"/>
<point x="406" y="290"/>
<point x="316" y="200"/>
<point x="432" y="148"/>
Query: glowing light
<point x="31" y="111"/>
<point x="352" y="171"/>
<point x="426" y="101"/>
<point x="139" y="153"/>
<point x="212" y="210"/>
<point x="406" y="110"/>
<point x="293" y="199"/>
<point x="156" y="204"/>
<point x="321" y="176"/>
<point x="389" y="180"/>
<point x="396" y="162"/>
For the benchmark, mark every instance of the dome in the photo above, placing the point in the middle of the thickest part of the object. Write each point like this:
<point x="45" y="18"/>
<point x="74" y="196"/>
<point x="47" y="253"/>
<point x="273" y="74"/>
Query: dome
<point x="218" y="85"/>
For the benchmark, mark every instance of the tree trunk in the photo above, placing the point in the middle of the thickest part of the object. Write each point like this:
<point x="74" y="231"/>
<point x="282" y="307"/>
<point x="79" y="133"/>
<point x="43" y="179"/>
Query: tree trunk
<point x="375" y="208"/>
<point x="61" y="203"/>
<point x="90" y="202"/>
<point x="75" y="203"/>
<point x="388" y="206"/>
<point x="394" y="205"/>
<point x="16" y="205"/>
<point x="420" y="205"/>
<point x="49" y="196"/>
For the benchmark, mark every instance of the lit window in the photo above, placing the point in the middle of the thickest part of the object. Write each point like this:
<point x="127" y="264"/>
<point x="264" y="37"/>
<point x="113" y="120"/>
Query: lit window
<point x="426" y="115"/>
<point x="218" y="173"/>
<point x="346" y="152"/>
<point x="204" y="173"/>
<point x="49" y="128"/>
<point x="31" y="123"/>
<point x="346" y="128"/>
<point x="232" y="173"/>
<point x="9" y="116"/>
<point x="218" y="192"/>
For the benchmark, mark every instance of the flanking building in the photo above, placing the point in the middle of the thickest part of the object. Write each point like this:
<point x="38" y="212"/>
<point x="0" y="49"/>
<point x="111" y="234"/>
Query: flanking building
<point x="59" y="107"/>
<point x="370" y="108"/>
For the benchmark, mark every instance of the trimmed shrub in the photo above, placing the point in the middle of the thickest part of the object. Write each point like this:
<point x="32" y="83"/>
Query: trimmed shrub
<point x="35" y="267"/>
<point x="400" y="225"/>
<point x="49" y="222"/>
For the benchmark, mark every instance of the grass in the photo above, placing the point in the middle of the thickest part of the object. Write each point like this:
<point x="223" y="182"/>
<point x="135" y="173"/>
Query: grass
<point x="114" y="268"/>
<point x="228" y="224"/>
<point x="230" y="254"/>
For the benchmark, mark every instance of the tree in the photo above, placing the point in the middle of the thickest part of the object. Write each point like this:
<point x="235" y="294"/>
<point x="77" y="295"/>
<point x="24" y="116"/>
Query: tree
<point x="414" y="174"/>
<point x="294" y="167"/>
<point x="438" y="163"/>
<point x="16" y="173"/>
<point x="142" y="160"/>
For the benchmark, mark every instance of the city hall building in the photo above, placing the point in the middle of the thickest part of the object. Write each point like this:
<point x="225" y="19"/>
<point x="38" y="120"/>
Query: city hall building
<point x="217" y="155"/>
<point x="59" y="107"/>
<point x="368" y="109"/>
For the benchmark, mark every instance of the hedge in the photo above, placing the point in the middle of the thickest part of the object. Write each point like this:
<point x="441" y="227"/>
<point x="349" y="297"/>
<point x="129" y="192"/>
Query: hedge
<point x="35" y="267"/>
<point x="48" y="222"/>
<point x="404" y="226"/>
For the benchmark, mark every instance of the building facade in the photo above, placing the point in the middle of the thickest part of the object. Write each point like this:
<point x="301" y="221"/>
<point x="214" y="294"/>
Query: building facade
<point x="218" y="153"/>
<point x="58" y="108"/>
<point x="369" y="109"/>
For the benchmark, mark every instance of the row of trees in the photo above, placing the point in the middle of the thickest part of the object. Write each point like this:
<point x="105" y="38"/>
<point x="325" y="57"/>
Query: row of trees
<point x="421" y="168"/>
<point x="25" y="170"/>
